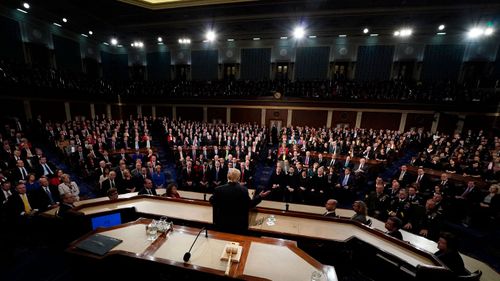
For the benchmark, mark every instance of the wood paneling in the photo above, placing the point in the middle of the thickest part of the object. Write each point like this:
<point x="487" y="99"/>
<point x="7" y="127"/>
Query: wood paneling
<point x="475" y="122"/>
<point x="190" y="113"/>
<point x="164" y="111"/>
<point x="146" y="110"/>
<point x="79" y="109"/>
<point x="447" y="123"/>
<point x="276" y="114"/>
<point x="245" y="115"/>
<point x="417" y="120"/>
<point x="216" y="113"/>
<point x="49" y="110"/>
<point x="315" y="118"/>
<point x="344" y="117"/>
<point x="380" y="120"/>
<point x="13" y="108"/>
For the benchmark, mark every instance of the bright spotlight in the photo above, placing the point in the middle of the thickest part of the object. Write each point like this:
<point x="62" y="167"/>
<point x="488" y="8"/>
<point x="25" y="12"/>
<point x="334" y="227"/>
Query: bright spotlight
<point x="210" y="36"/>
<point x="65" y="20"/>
<point x="299" y="32"/>
<point x="160" y="39"/>
<point x="366" y="30"/>
<point x="26" y="5"/>
<point x="396" y="33"/>
<point x="90" y="32"/>
<point x="475" y="32"/>
<point x="488" y="31"/>
<point x="441" y="27"/>
<point x="114" y="42"/>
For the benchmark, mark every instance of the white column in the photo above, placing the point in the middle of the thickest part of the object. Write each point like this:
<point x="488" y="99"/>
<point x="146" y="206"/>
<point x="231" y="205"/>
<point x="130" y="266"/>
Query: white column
<point x="435" y="122"/>
<point x="139" y="110"/>
<point x="153" y="111"/>
<point x="174" y="113"/>
<point x="289" y="118"/>
<point x="27" y="110"/>
<point x="92" y="111"/>
<point x="68" y="111"/>
<point x="263" y="117"/>
<point x="358" y="119"/>
<point x="402" y="123"/>
<point x="205" y="113"/>
<point x="108" y="110"/>
<point x="329" y="118"/>
<point x="228" y="115"/>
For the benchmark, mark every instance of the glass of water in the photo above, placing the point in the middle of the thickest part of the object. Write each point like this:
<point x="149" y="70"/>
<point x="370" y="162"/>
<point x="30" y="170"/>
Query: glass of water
<point x="152" y="230"/>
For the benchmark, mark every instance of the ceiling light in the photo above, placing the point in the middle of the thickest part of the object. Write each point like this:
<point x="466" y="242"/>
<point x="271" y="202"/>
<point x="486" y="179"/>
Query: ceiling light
<point x="114" y="41"/>
<point x="374" y="34"/>
<point x="84" y="35"/>
<point x="488" y="31"/>
<point x="106" y="43"/>
<point x="160" y="43"/>
<point x="184" y="41"/>
<point x="441" y="27"/>
<point x="22" y="11"/>
<point x="210" y="36"/>
<point x="475" y="32"/>
<point x="342" y="35"/>
<point x="160" y="39"/>
<point x="312" y="36"/>
<point x="366" y="30"/>
<point x="396" y="33"/>
<point x="256" y="39"/>
<point x="65" y="20"/>
<point x="56" y="24"/>
<point x="299" y="32"/>
<point x="90" y="32"/>
<point x="405" y="32"/>
<point x="441" y="33"/>
<point x="26" y="5"/>
<point x="283" y="37"/>
<point x="230" y="40"/>
<point x="119" y="45"/>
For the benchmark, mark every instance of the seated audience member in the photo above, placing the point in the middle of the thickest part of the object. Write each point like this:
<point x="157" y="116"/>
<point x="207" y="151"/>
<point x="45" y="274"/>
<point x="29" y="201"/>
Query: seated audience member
<point x="393" y="224"/>
<point x="57" y="180"/>
<point x="32" y="184"/>
<point x="489" y="207"/>
<point x="67" y="204"/>
<point x="330" y="207"/>
<point x="69" y="186"/>
<point x="21" y="204"/>
<point x="47" y="196"/>
<point x="430" y="222"/>
<point x="448" y="253"/>
<point x="6" y="193"/>
<point x="361" y="212"/>
<point x="172" y="191"/>
<point x="127" y="184"/>
<point x="158" y="177"/>
<point x="112" y="193"/>
<point x="378" y="202"/>
<point x="148" y="188"/>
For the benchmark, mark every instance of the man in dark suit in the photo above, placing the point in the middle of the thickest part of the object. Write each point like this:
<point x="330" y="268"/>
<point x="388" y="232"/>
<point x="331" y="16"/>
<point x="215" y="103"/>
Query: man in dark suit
<point x="20" y="172"/>
<point x="403" y="176"/>
<point x="45" y="168"/>
<point x="47" y="197"/>
<point x="393" y="224"/>
<point x="109" y="183"/>
<point x="20" y="204"/>
<point x="148" y="188"/>
<point x="330" y="207"/>
<point x="231" y="204"/>
<point x="6" y="193"/>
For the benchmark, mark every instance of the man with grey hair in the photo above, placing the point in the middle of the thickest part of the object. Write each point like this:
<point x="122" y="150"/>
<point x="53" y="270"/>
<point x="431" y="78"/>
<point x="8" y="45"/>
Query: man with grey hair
<point x="231" y="204"/>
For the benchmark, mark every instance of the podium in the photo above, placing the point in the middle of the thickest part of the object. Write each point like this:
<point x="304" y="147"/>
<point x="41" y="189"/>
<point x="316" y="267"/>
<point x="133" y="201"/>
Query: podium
<point x="261" y="258"/>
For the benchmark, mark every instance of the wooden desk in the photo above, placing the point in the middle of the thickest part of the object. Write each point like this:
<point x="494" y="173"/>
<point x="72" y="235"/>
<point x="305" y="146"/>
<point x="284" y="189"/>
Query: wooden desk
<point x="286" y="263"/>
<point x="455" y="178"/>
<point x="290" y="224"/>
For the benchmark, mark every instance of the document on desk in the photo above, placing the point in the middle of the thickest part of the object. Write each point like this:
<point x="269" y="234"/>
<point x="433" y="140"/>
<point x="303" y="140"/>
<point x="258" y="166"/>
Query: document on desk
<point x="98" y="244"/>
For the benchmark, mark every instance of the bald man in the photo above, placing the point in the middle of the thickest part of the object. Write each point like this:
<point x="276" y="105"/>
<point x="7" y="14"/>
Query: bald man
<point x="331" y="206"/>
<point x="231" y="204"/>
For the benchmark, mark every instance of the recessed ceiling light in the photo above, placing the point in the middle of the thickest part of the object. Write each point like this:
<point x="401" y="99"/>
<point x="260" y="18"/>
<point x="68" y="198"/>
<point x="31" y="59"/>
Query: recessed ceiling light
<point x="256" y="39"/>
<point x="114" y="41"/>
<point x="84" y="35"/>
<point x="299" y="32"/>
<point x="488" y="31"/>
<point x="283" y="37"/>
<point x="56" y="24"/>
<point x="366" y="30"/>
<point x="90" y="32"/>
<point x="312" y="36"/>
<point x="230" y="40"/>
<point x="105" y="43"/>
<point x="26" y="5"/>
<point x="210" y="36"/>
<point x="342" y="35"/>
<point x="441" y="33"/>
<point x="160" y="39"/>
<point x="374" y="34"/>
<point x="441" y="27"/>
<point x="22" y="11"/>
<point x="65" y="20"/>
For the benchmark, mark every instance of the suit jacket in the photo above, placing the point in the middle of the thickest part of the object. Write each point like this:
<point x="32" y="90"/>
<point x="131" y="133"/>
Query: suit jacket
<point x="42" y="200"/>
<point x="39" y="170"/>
<point x="331" y="215"/>
<point x="231" y="204"/>
<point x="144" y="191"/>
<point x="16" y="174"/>
<point x="407" y="179"/>
<point x="15" y="205"/>
<point x="350" y="181"/>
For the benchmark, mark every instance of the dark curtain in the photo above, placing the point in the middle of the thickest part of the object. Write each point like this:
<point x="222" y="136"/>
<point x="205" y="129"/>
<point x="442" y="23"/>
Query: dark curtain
<point x="158" y="65"/>
<point x="374" y="63"/>
<point x="10" y="35"/>
<point x="442" y="62"/>
<point x="204" y="65"/>
<point x="67" y="53"/>
<point x="256" y="64"/>
<point x="114" y="66"/>
<point x="311" y="63"/>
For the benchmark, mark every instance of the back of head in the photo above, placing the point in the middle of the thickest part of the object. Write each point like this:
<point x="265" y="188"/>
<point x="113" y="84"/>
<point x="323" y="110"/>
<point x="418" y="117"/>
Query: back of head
<point x="233" y="175"/>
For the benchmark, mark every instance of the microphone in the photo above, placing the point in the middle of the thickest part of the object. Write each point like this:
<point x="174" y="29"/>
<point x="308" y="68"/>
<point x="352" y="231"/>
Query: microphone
<point x="187" y="255"/>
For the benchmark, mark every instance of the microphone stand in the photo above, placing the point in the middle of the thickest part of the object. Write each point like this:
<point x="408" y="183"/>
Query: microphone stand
<point x="187" y="255"/>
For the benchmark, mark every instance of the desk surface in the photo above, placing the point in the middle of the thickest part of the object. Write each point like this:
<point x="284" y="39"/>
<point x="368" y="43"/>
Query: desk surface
<point x="170" y="248"/>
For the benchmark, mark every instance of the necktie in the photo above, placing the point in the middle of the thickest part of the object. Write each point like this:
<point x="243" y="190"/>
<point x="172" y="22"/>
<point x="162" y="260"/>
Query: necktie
<point x="401" y="176"/>
<point x="346" y="178"/>
<point x="48" y="168"/>
<point x="242" y="175"/>
<point x="419" y="179"/>
<point x="49" y="194"/>
<point x="149" y="192"/>
<point x="26" y="203"/>
<point x="24" y="172"/>
<point x="112" y="184"/>
<point x="466" y="192"/>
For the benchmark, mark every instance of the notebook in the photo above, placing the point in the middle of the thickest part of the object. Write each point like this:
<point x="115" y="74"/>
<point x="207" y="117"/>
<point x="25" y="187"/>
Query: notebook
<point x="98" y="244"/>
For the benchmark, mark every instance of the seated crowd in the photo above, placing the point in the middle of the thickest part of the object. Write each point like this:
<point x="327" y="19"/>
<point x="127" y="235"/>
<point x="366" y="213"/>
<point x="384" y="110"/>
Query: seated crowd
<point x="337" y="88"/>
<point x="310" y="165"/>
